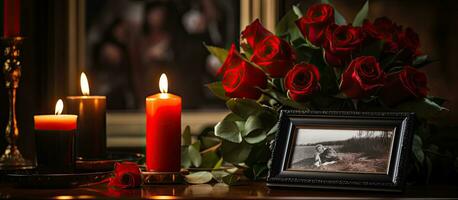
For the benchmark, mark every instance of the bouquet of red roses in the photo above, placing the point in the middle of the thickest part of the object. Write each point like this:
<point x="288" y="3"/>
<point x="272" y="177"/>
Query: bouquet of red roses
<point x="315" y="60"/>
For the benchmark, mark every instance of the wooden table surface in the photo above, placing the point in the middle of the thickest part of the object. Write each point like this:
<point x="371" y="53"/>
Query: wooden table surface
<point x="248" y="190"/>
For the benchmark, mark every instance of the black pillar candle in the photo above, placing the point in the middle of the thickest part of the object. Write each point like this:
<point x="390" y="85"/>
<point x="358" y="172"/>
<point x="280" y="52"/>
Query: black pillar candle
<point x="91" y="141"/>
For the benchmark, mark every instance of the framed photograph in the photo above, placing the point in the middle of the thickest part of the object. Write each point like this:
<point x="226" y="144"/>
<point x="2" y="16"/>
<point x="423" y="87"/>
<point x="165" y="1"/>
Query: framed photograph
<point x="342" y="150"/>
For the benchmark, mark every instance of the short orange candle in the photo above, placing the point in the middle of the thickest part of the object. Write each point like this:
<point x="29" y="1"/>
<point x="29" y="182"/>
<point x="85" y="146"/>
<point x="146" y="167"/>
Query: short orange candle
<point x="55" y="140"/>
<point x="55" y="122"/>
<point x="163" y="130"/>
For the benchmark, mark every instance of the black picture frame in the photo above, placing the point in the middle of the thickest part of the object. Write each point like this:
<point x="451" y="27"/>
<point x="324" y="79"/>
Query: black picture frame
<point x="291" y="121"/>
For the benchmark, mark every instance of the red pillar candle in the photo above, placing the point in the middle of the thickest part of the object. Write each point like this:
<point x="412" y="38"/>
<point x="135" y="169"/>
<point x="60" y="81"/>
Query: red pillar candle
<point x="163" y="130"/>
<point x="55" y="140"/>
<point x="11" y="18"/>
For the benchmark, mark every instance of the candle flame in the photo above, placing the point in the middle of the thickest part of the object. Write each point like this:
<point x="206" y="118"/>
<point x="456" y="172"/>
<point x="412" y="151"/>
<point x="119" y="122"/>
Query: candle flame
<point x="163" y="84"/>
<point x="59" y="107"/>
<point x="84" y="84"/>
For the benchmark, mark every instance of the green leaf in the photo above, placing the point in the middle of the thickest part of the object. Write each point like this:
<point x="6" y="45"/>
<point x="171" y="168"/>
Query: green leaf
<point x="424" y="108"/>
<point x="286" y="27"/>
<point x="274" y="129"/>
<point x="208" y="141"/>
<point x="362" y="14"/>
<point x="257" y="172"/>
<point x="255" y="136"/>
<point x="241" y="127"/>
<point x="284" y="100"/>
<point x="219" y="174"/>
<point x="418" y="149"/>
<point x="243" y="107"/>
<point x="199" y="177"/>
<point x="328" y="78"/>
<point x="339" y="18"/>
<point x="231" y="179"/>
<point x="187" y="135"/>
<point x="228" y="130"/>
<point x="217" y="89"/>
<point x="421" y="61"/>
<point x="233" y="117"/>
<point x="259" y="154"/>
<point x="253" y="123"/>
<point x="297" y="11"/>
<point x="437" y="100"/>
<point x="194" y="154"/>
<point x="218" y="164"/>
<point x="235" y="152"/>
<point x="278" y="83"/>
<point x="220" y="53"/>
<point x="209" y="159"/>
<point x="185" y="160"/>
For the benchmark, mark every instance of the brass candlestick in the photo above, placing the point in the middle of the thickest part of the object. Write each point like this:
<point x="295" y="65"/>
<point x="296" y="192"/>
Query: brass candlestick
<point x="12" y="157"/>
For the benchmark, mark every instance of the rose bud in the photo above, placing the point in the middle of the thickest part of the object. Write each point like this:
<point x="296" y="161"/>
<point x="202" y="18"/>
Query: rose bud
<point x="408" y="42"/>
<point x="126" y="175"/>
<point x="252" y="35"/>
<point x="362" y="77"/>
<point x="315" y="21"/>
<point x="404" y="85"/>
<point x="244" y="81"/>
<point x="275" y="56"/>
<point x="302" y="81"/>
<point x="341" y="42"/>
<point x="233" y="60"/>
<point x="383" y="29"/>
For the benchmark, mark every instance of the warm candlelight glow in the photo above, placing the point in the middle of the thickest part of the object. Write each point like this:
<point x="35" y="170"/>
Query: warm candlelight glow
<point x="59" y="107"/>
<point x="84" y="84"/>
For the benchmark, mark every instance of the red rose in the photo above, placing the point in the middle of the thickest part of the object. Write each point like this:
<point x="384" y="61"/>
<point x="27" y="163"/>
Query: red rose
<point x="408" y="42"/>
<point x="233" y="60"/>
<point x="383" y="29"/>
<point x="244" y="81"/>
<point x="240" y="78"/>
<point x="301" y="81"/>
<point x="406" y="84"/>
<point x="274" y="55"/>
<point x="341" y="42"/>
<point x="127" y="175"/>
<point x="313" y="24"/>
<point x="253" y="34"/>
<point x="362" y="77"/>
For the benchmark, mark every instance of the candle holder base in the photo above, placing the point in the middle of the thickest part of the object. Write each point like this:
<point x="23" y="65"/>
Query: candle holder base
<point x="161" y="178"/>
<point x="12" y="159"/>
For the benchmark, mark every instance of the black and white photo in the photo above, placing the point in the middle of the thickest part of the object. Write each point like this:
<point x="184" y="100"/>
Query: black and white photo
<point x="358" y="151"/>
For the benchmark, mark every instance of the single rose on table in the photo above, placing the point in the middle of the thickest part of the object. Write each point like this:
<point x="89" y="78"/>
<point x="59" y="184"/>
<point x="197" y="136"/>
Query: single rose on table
<point x="126" y="175"/>
<point x="302" y="81"/>
<point x="315" y="21"/>
<point x="274" y="55"/>
<point x="362" y="78"/>
<point x="240" y="78"/>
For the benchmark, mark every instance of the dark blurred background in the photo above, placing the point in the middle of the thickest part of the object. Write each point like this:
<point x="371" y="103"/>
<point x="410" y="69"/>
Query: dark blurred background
<point x="130" y="41"/>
